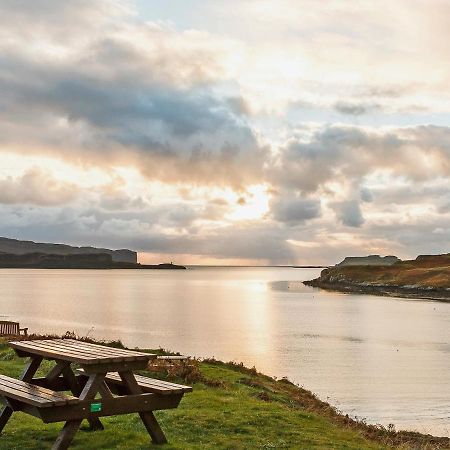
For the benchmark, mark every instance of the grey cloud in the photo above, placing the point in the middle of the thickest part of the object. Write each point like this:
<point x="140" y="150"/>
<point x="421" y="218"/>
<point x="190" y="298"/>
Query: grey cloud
<point x="170" y="132"/>
<point x="252" y="243"/>
<point x="355" y="108"/>
<point x="349" y="153"/>
<point x="366" y="195"/>
<point x="437" y="192"/>
<point x="239" y="106"/>
<point x="349" y="213"/>
<point x="295" y="211"/>
<point x="116" y="201"/>
<point x="116" y="103"/>
<point x="445" y="208"/>
<point x="386" y="91"/>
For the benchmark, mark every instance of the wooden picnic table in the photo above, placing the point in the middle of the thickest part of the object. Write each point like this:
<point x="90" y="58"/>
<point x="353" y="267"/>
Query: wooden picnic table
<point x="104" y="371"/>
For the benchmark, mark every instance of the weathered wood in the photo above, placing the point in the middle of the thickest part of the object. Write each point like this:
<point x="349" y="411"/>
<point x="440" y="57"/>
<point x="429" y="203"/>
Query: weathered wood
<point x="42" y="400"/>
<point x="49" y="350"/>
<point x="105" y="391"/>
<point x="100" y="348"/>
<point x="110" y="407"/>
<point x="29" y="388"/>
<point x="148" y="384"/>
<point x="94" y="355"/>
<point x="66" y="435"/>
<point x="148" y="418"/>
<point x="30" y="368"/>
<point x="5" y="415"/>
<point x="57" y="370"/>
<point x="114" y="367"/>
<point x="70" y="428"/>
<point x="8" y="328"/>
<point x="31" y="394"/>
<point x="76" y="388"/>
<point x="80" y="352"/>
<point x="28" y="372"/>
<point x="57" y="384"/>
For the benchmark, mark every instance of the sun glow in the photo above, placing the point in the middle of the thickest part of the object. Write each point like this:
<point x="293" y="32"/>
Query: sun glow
<point x="252" y="205"/>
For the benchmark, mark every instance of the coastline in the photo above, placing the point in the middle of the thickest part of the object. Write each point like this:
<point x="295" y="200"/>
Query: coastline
<point x="442" y="295"/>
<point x="252" y="401"/>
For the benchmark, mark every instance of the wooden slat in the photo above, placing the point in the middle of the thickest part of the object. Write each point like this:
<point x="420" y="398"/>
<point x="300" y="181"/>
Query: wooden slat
<point x="92" y="353"/>
<point x="50" y="351"/>
<point x="111" y="407"/>
<point x="37" y="390"/>
<point x="63" y="352"/>
<point x="9" y="328"/>
<point x="27" y="348"/>
<point x="79" y="352"/>
<point x="8" y="392"/>
<point x="154" y="381"/>
<point x="142" y="380"/>
<point x="155" y="386"/>
<point x="28" y="387"/>
<point x="66" y="349"/>
<point x="31" y="394"/>
<point x="150" y="384"/>
<point x="105" y="349"/>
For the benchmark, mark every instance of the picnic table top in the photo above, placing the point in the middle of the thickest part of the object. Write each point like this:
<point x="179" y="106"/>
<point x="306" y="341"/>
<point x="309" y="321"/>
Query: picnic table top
<point x="79" y="352"/>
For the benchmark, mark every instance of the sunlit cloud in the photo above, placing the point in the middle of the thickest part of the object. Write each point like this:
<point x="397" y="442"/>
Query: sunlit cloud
<point x="275" y="132"/>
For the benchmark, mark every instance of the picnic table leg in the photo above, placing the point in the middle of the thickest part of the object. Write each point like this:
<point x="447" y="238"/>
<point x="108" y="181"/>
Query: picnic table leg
<point x="71" y="427"/>
<point x="63" y="368"/>
<point x="75" y="387"/>
<point x="66" y="435"/>
<point x="148" y="418"/>
<point x="28" y="372"/>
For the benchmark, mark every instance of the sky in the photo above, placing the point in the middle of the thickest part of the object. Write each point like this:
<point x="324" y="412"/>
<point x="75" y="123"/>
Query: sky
<point x="227" y="132"/>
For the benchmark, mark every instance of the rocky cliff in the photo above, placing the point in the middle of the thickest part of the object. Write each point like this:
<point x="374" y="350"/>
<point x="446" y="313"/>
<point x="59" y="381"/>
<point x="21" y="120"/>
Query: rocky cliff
<point x="428" y="276"/>
<point x="73" y="261"/>
<point x="17" y="247"/>
<point x="371" y="260"/>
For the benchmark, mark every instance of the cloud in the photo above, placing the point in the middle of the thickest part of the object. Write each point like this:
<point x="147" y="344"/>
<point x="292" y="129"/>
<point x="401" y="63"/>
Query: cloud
<point x="355" y="109"/>
<point x="366" y="195"/>
<point x="36" y="187"/>
<point x="346" y="153"/>
<point x="203" y="113"/>
<point x="349" y="213"/>
<point x="295" y="211"/>
<point x="134" y="94"/>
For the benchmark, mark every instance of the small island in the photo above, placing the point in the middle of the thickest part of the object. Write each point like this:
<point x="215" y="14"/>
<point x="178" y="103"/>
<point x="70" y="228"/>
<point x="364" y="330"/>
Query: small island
<point x="428" y="276"/>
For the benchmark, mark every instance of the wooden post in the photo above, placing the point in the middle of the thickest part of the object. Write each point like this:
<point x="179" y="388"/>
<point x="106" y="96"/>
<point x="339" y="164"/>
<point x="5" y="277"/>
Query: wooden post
<point x="72" y="382"/>
<point x="148" y="418"/>
<point x="71" y="427"/>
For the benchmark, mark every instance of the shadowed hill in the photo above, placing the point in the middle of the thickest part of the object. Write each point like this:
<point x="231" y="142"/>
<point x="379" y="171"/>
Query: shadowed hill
<point x="18" y="247"/>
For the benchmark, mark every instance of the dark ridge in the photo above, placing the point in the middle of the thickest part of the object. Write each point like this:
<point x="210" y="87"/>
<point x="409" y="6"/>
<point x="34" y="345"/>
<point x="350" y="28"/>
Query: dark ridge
<point x="72" y="261"/>
<point x="18" y="247"/>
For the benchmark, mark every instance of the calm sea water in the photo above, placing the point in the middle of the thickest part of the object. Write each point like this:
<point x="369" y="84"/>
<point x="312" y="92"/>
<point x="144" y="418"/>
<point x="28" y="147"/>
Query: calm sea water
<point x="383" y="359"/>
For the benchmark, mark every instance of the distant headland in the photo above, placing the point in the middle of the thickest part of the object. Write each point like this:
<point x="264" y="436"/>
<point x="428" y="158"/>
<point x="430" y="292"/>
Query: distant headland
<point x="428" y="276"/>
<point x="28" y="254"/>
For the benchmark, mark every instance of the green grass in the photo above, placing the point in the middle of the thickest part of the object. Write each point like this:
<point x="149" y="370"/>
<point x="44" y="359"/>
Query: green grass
<point x="425" y="271"/>
<point x="231" y="408"/>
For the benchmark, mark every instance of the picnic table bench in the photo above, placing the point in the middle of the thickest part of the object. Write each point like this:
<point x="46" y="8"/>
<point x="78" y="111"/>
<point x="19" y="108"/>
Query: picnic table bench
<point x="105" y="372"/>
<point x="8" y="328"/>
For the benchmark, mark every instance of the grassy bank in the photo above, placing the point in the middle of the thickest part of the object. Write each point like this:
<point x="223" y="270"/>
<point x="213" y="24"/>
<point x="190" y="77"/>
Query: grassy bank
<point x="424" y="277"/>
<point x="232" y="407"/>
